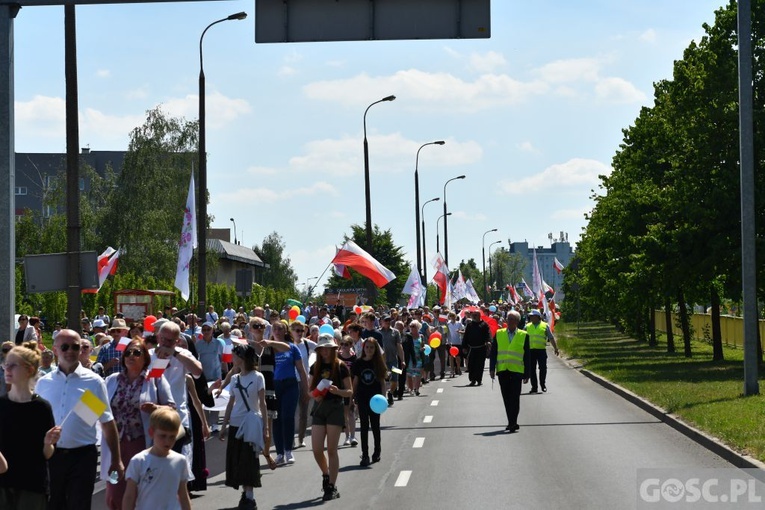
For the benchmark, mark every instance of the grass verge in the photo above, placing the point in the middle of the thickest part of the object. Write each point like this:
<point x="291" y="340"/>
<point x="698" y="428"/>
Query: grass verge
<point x="706" y="394"/>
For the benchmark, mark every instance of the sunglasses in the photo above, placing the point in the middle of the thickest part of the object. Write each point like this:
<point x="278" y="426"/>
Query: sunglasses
<point x="66" y="347"/>
<point x="133" y="352"/>
<point x="345" y="344"/>
<point x="299" y="330"/>
<point x="6" y="350"/>
<point x="258" y="326"/>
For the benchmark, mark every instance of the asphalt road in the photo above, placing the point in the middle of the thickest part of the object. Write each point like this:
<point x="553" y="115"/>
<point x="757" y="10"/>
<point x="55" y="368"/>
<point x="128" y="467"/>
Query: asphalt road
<point x="579" y="446"/>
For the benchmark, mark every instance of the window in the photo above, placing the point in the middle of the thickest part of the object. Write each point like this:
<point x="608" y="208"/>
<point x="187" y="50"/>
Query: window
<point x="82" y="184"/>
<point x="21" y="190"/>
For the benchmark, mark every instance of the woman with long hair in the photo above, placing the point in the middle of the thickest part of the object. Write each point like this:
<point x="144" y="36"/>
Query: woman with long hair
<point x="330" y="383"/>
<point x="369" y="373"/>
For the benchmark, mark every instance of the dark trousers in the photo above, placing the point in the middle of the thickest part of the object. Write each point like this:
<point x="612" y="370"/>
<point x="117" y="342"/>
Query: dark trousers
<point x="538" y="357"/>
<point x="72" y="478"/>
<point x="510" y="384"/>
<point x="367" y="417"/>
<point x="476" y="363"/>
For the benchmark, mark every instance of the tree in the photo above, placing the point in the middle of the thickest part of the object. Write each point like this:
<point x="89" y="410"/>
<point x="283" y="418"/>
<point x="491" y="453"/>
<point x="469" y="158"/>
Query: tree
<point x="387" y="254"/>
<point x="280" y="275"/>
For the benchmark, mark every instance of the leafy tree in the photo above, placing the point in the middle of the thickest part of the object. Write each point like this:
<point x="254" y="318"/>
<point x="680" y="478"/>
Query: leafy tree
<point x="280" y="274"/>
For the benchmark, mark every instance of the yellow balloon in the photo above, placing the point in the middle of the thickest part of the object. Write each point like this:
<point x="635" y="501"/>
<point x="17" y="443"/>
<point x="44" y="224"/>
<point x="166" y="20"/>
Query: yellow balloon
<point x="435" y="342"/>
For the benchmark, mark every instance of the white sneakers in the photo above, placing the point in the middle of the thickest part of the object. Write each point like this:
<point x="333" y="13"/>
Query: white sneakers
<point x="288" y="457"/>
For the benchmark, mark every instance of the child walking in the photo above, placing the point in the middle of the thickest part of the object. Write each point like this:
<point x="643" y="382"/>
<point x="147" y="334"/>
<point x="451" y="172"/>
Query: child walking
<point x="348" y="357"/>
<point x="157" y="476"/>
<point x="245" y="425"/>
<point x="369" y="374"/>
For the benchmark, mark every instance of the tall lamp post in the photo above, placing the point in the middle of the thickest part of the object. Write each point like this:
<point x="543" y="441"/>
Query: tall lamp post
<point x="309" y="288"/>
<point x="446" y="228"/>
<point x="491" y="278"/>
<point x="417" y="205"/>
<point x="234" y="222"/>
<point x="424" y="243"/>
<point x="367" y="194"/>
<point x="438" y="247"/>
<point x="202" y="192"/>
<point x="483" y="257"/>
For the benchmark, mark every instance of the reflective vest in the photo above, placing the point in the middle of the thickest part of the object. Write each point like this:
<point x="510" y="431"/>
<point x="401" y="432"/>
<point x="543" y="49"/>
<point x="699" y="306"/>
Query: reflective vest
<point x="537" y="335"/>
<point x="510" y="352"/>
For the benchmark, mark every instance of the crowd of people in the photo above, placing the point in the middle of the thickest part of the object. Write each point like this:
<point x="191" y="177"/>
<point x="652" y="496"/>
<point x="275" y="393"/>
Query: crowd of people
<point x="144" y="396"/>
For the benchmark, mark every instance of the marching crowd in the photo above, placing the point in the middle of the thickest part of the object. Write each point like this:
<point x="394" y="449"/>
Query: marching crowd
<point x="141" y="389"/>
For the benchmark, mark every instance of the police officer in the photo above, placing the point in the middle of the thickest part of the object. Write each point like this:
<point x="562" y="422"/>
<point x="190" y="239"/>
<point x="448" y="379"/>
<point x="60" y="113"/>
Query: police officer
<point x="509" y="359"/>
<point x="539" y="333"/>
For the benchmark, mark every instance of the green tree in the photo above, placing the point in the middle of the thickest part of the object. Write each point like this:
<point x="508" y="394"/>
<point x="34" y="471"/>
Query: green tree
<point x="280" y="275"/>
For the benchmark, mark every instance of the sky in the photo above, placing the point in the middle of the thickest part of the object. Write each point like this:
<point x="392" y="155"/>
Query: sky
<point x="532" y="116"/>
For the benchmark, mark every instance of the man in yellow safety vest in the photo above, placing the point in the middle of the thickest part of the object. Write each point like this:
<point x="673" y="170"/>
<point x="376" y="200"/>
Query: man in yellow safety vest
<point x="539" y="333"/>
<point x="509" y="359"/>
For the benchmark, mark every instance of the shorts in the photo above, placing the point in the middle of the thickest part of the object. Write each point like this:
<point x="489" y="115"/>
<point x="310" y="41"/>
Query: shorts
<point x="329" y="412"/>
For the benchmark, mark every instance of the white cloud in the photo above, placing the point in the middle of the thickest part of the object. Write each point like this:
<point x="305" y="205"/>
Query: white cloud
<point x="573" y="173"/>
<point x="41" y="116"/>
<point x="286" y="71"/>
<point x="103" y="73"/>
<point x="527" y="146"/>
<point x="570" y="70"/>
<point x="96" y="124"/>
<point x="262" y="195"/>
<point x="257" y="171"/>
<point x="648" y="36"/>
<point x="220" y="109"/>
<point x="486" y="63"/>
<point x="618" y="90"/>
<point x="138" y="93"/>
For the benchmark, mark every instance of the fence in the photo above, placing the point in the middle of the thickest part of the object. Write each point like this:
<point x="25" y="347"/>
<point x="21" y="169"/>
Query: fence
<point x="732" y="328"/>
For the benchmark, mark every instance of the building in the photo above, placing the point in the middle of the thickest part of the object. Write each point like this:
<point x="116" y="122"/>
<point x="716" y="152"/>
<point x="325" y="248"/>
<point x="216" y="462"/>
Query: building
<point x="559" y="248"/>
<point x="234" y="261"/>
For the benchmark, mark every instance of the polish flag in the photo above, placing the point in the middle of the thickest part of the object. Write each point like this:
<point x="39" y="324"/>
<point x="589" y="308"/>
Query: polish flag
<point x="157" y="367"/>
<point x="442" y="275"/>
<point x="107" y="265"/>
<point x="352" y="256"/>
<point x="228" y="356"/>
<point x="557" y="265"/>
<point x="340" y="269"/>
<point x="123" y="343"/>
<point x="514" y="295"/>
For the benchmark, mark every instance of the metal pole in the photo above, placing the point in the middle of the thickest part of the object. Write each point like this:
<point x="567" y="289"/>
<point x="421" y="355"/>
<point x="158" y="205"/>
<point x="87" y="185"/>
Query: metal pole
<point x="74" y="298"/>
<point x="483" y="257"/>
<point x="424" y="244"/>
<point x="417" y="206"/>
<point x="234" y="222"/>
<point x="202" y="192"/>
<point x="491" y="277"/>
<point x="446" y="228"/>
<point x="748" y="234"/>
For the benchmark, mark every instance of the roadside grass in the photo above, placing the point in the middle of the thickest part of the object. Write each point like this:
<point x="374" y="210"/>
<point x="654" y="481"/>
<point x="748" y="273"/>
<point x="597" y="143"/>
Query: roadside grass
<point x="706" y="394"/>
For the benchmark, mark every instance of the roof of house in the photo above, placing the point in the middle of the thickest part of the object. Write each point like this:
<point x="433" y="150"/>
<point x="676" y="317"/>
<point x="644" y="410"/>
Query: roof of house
<point x="235" y="252"/>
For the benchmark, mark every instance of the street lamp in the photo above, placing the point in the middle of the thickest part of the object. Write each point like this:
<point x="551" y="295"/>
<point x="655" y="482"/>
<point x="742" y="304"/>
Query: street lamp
<point x="491" y="279"/>
<point x="483" y="256"/>
<point x="309" y="288"/>
<point x="446" y="228"/>
<point x="370" y="285"/>
<point x="202" y="192"/>
<point x="424" y="243"/>
<point x="438" y="248"/>
<point x="417" y="204"/>
<point x="232" y="221"/>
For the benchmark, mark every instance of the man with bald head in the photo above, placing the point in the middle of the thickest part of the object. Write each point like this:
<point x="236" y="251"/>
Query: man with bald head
<point x="73" y="465"/>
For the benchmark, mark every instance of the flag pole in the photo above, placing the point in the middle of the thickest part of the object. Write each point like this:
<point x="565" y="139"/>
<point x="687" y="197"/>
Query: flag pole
<point x="311" y="287"/>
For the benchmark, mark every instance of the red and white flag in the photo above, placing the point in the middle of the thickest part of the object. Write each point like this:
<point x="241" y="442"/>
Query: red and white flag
<point x="441" y="277"/>
<point x="187" y="243"/>
<point x="123" y="343"/>
<point x="557" y="265"/>
<point x="107" y="265"/>
<point x="351" y="255"/>
<point x="157" y="367"/>
<point x="340" y="269"/>
<point x="514" y="295"/>
<point x="526" y="289"/>
<point x="228" y="356"/>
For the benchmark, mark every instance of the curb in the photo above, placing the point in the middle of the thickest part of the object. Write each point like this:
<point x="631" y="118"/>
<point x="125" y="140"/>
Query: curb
<point x="702" y="438"/>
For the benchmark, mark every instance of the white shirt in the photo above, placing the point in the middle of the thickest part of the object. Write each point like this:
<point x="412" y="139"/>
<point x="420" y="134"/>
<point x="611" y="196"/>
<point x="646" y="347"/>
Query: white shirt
<point x="175" y="374"/>
<point x="158" y="479"/>
<point x="63" y="392"/>
<point x="454" y="336"/>
<point x="252" y="383"/>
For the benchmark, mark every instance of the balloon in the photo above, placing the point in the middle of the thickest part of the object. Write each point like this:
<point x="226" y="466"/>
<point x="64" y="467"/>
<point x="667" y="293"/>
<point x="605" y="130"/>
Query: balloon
<point x="435" y="343"/>
<point x="492" y="308"/>
<point x="296" y="308"/>
<point x="453" y="350"/>
<point x="293" y="314"/>
<point x="378" y="404"/>
<point x="327" y="329"/>
<point x="427" y="350"/>
<point x="435" y="334"/>
<point x="300" y="318"/>
<point x="357" y="309"/>
<point x="148" y="323"/>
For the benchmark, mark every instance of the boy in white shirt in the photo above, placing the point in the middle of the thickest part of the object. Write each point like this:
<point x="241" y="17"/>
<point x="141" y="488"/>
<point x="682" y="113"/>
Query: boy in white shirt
<point x="154" y="470"/>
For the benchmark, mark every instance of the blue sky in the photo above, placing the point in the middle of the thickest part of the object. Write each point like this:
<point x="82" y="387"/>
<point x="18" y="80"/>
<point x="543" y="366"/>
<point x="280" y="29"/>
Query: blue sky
<point x="532" y="115"/>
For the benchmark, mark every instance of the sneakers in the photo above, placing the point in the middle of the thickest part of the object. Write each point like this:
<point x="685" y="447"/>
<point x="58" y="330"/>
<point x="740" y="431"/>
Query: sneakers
<point x="214" y="428"/>
<point x="288" y="457"/>
<point x="390" y="399"/>
<point x="247" y="504"/>
<point x="376" y="457"/>
<point x="330" y="493"/>
<point x="364" y="461"/>
<point x="354" y="442"/>
<point x="544" y="389"/>
<point x="347" y="441"/>
<point x="300" y="445"/>
<point x="280" y="460"/>
<point x="400" y="397"/>
<point x="417" y="392"/>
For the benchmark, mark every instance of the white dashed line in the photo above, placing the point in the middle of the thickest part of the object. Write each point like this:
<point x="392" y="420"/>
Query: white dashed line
<point x="418" y="442"/>
<point x="443" y="380"/>
<point x="440" y="390"/>
<point x="434" y="403"/>
<point x="403" y="479"/>
<point x="427" y="419"/>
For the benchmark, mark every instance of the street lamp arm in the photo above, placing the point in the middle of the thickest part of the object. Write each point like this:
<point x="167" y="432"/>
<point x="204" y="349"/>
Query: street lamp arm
<point x="387" y="98"/>
<point x="237" y="16"/>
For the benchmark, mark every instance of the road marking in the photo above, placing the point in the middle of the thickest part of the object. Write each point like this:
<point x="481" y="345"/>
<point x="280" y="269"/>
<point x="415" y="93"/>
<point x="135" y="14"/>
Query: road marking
<point x="418" y="442"/>
<point x="403" y="479"/>
<point x="434" y="403"/>
<point x="427" y="419"/>
<point x="443" y="380"/>
<point x="440" y="390"/>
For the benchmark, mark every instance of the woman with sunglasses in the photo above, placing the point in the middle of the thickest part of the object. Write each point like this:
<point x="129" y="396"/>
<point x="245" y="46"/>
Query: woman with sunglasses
<point x="133" y="397"/>
<point x="306" y="346"/>
<point x="27" y="433"/>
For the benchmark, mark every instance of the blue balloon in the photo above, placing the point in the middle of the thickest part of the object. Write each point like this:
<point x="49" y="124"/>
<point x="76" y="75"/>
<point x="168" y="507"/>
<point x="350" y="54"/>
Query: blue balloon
<point x="492" y="308"/>
<point x="378" y="404"/>
<point x="300" y="318"/>
<point x="427" y="350"/>
<point x="327" y="329"/>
